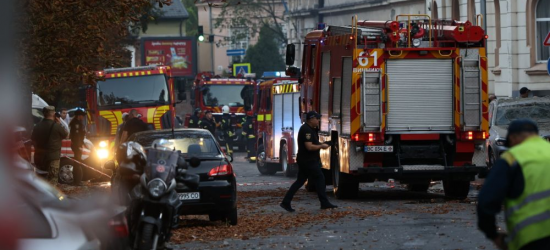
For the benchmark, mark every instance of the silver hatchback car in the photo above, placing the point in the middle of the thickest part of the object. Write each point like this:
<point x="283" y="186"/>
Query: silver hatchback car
<point x="503" y="111"/>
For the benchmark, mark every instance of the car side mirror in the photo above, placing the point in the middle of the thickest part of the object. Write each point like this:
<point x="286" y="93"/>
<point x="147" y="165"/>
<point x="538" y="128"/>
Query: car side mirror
<point x="290" y="54"/>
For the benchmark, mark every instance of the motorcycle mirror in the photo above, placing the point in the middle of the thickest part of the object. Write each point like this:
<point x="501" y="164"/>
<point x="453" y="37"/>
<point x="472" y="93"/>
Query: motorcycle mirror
<point x="110" y="165"/>
<point x="195" y="162"/>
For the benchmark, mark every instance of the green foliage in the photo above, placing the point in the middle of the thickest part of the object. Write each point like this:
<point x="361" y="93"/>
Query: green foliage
<point x="252" y="15"/>
<point x="265" y="56"/>
<point x="191" y="24"/>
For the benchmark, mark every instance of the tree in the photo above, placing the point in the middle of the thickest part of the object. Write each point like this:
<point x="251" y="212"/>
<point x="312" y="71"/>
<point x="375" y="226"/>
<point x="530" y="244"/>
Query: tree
<point x="265" y="56"/>
<point x="192" y="23"/>
<point x="251" y="15"/>
<point x="64" y="41"/>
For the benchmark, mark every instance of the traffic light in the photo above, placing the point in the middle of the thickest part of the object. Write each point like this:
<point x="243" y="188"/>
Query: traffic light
<point x="201" y="34"/>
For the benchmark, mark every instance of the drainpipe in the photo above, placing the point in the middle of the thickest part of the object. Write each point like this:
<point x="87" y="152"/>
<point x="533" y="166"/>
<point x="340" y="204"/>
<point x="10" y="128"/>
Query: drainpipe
<point x="211" y="33"/>
<point x="483" y="4"/>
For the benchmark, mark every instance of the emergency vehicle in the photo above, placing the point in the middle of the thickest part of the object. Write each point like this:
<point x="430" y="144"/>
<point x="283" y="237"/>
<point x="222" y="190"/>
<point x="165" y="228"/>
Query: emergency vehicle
<point x="403" y="99"/>
<point x="148" y="89"/>
<point x="278" y="122"/>
<point x="211" y="92"/>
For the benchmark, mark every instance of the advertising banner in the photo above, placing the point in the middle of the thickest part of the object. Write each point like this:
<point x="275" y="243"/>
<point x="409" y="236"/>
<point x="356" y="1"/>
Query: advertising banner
<point x="177" y="52"/>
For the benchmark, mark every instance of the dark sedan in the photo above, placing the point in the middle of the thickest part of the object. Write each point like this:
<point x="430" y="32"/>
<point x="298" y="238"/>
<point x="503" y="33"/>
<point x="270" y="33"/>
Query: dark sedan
<point x="217" y="192"/>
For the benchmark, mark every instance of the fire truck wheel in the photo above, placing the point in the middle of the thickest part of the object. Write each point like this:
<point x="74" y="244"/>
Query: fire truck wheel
<point x="263" y="166"/>
<point x="344" y="186"/>
<point x="419" y="187"/>
<point x="456" y="189"/>
<point x="289" y="169"/>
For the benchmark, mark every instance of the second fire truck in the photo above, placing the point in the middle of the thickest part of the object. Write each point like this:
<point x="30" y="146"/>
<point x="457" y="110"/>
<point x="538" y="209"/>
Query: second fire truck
<point x="403" y="99"/>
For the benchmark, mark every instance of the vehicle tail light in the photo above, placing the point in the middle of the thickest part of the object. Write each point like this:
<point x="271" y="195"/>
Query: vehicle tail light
<point x="368" y="137"/>
<point x="120" y="227"/>
<point x="222" y="170"/>
<point x="474" y="135"/>
<point x="371" y="137"/>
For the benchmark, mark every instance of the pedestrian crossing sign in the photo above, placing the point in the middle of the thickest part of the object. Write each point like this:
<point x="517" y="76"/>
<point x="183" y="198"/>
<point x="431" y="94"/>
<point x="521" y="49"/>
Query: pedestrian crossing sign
<point x="241" y="68"/>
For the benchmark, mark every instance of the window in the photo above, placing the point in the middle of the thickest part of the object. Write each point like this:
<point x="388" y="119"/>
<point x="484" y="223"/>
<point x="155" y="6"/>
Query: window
<point x="542" y="26"/>
<point x="268" y="99"/>
<point x="312" y="57"/>
<point x="151" y="89"/>
<point x="455" y="8"/>
<point x="303" y="60"/>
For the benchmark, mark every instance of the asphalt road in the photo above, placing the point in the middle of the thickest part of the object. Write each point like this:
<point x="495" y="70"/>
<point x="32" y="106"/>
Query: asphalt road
<point x="383" y="217"/>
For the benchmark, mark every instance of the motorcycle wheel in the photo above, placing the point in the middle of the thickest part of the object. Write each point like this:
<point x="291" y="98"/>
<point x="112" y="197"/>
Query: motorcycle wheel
<point x="145" y="240"/>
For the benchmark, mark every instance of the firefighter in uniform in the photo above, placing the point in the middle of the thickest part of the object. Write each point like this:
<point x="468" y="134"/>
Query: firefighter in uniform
<point x="520" y="180"/>
<point x="250" y="135"/>
<point x="309" y="163"/>
<point x="209" y="123"/>
<point x="228" y="132"/>
<point x="195" y="119"/>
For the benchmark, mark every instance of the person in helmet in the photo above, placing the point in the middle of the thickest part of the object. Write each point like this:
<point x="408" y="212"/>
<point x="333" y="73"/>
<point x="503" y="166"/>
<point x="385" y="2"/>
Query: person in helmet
<point x="195" y="119"/>
<point x="250" y="135"/>
<point x="228" y="132"/>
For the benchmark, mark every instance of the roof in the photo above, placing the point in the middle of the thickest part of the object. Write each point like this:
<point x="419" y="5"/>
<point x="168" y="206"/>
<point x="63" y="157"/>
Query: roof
<point x="174" y="11"/>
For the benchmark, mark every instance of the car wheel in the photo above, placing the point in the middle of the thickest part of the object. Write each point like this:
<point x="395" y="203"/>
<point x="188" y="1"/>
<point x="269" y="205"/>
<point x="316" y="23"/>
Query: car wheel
<point x="456" y="189"/>
<point x="263" y="166"/>
<point x="68" y="171"/>
<point x="231" y="217"/>
<point x="492" y="158"/>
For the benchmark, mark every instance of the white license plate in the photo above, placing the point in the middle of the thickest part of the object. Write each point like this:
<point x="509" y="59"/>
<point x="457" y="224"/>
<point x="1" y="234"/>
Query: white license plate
<point x="377" y="149"/>
<point x="190" y="196"/>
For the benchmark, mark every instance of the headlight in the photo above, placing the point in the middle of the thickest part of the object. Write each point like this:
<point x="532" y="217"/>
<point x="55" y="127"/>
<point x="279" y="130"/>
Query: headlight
<point x="103" y="144"/>
<point x="500" y="142"/>
<point x="156" y="187"/>
<point x="102" y="154"/>
<point x="417" y="42"/>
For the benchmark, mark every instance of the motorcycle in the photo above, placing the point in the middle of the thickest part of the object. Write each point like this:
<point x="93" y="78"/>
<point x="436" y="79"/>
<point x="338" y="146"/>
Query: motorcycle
<point x="153" y="203"/>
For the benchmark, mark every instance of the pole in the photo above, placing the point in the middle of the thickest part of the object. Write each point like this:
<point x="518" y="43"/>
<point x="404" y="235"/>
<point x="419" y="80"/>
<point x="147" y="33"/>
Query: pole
<point x="211" y="44"/>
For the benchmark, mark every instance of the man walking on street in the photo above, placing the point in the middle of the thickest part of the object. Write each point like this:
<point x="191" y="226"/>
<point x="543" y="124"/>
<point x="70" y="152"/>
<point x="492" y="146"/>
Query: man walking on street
<point x="520" y="180"/>
<point x="309" y="163"/>
<point x="209" y="123"/>
<point x="47" y="136"/>
<point x="133" y="125"/>
<point x="195" y="119"/>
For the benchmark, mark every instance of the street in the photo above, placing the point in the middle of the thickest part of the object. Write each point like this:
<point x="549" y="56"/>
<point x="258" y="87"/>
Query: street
<point x="384" y="217"/>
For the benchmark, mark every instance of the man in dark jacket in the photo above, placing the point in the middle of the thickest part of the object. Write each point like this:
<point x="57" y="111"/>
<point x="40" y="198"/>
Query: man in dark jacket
<point x="209" y="123"/>
<point x="47" y="136"/>
<point x="78" y="133"/>
<point x="195" y="119"/>
<point x="228" y="132"/>
<point x="133" y="125"/>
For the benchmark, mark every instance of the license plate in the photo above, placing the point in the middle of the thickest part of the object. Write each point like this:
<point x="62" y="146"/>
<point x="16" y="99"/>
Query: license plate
<point x="190" y="196"/>
<point x="378" y="149"/>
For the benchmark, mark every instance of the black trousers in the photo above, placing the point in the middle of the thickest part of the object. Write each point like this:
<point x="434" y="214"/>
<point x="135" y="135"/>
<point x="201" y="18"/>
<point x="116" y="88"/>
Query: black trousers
<point x="311" y="171"/>
<point x="541" y="244"/>
<point x="78" y="170"/>
<point x="77" y="151"/>
<point x="250" y="144"/>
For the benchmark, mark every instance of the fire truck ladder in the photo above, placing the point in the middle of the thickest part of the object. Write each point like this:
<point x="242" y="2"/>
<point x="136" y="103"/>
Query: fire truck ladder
<point x="471" y="92"/>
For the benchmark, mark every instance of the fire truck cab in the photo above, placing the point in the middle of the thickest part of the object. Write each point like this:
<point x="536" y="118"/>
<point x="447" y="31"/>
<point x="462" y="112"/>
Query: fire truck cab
<point x="278" y="123"/>
<point x="403" y="99"/>
<point x="212" y="92"/>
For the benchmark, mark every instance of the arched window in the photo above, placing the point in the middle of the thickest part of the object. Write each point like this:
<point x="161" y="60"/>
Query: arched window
<point x="542" y="27"/>
<point x="472" y="11"/>
<point x="435" y="10"/>
<point x="455" y="9"/>
<point x="497" y="31"/>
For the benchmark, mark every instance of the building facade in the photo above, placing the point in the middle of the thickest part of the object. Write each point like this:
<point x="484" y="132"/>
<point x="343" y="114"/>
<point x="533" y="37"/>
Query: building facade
<point x="516" y="29"/>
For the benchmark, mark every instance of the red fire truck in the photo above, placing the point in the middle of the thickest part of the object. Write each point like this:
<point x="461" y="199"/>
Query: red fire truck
<point x="148" y="89"/>
<point x="278" y="122"/>
<point x="212" y="92"/>
<point x="403" y="99"/>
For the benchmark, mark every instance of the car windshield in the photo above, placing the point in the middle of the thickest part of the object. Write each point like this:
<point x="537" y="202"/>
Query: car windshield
<point x="538" y="112"/>
<point x="132" y="90"/>
<point x="191" y="145"/>
<point x="230" y="95"/>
